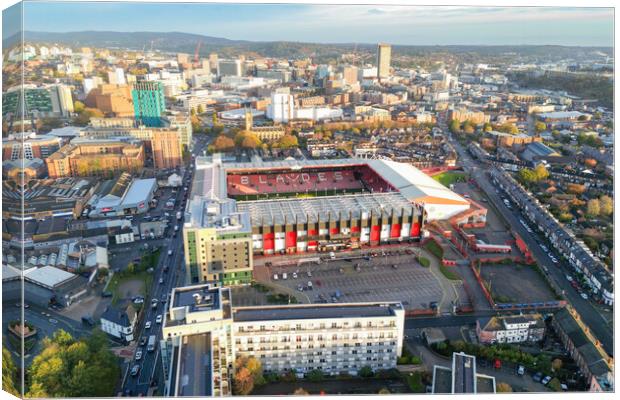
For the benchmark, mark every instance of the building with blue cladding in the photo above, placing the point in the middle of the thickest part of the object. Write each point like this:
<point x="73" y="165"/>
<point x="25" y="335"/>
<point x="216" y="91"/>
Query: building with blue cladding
<point x="149" y="103"/>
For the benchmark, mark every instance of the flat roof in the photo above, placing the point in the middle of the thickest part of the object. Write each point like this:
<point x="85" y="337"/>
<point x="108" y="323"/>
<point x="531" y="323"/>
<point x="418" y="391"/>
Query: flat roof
<point x="194" y="374"/>
<point x="48" y="276"/>
<point x="293" y="312"/>
<point x="320" y="208"/>
<point x="186" y="297"/>
<point x="463" y="373"/>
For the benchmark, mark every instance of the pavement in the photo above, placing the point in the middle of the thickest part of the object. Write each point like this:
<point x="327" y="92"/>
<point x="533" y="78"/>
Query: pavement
<point x="600" y="324"/>
<point x="150" y="364"/>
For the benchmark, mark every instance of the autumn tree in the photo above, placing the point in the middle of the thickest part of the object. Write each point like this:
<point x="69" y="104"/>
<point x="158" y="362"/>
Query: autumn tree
<point x="454" y="126"/>
<point x="508" y="128"/>
<point x="593" y="208"/>
<point x="503" y="387"/>
<point x="223" y="143"/>
<point x="78" y="106"/>
<point x="540" y="172"/>
<point x="487" y="127"/>
<point x="300" y="392"/>
<point x="575" y="188"/>
<point x="606" y="205"/>
<point x="468" y="127"/>
<point x="540" y="126"/>
<point x="556" y="364"/>
<point x="288" y="141"/>
<point x="384" y="391"/>
<point x="243" y="383"/>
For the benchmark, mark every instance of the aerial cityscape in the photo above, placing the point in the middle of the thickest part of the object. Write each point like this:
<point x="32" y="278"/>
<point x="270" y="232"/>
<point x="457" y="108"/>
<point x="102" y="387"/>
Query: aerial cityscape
<point x="306" y="199"/>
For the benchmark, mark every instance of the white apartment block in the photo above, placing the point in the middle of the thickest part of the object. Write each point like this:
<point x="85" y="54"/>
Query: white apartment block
<point x="201" y="324"/>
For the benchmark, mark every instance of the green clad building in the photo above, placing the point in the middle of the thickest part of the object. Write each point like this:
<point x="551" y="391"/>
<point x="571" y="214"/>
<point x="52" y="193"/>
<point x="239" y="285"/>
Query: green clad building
<point x="149" y="103"/>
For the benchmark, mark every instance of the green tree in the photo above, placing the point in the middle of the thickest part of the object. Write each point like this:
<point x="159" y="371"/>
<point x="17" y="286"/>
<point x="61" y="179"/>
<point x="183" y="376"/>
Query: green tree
<point x="10" y="377"/>
<point x="384" y="391"/>
<point x="468" y="127"/>
<point x="200" y="109"/>
<point x="540" y="126"/>
<point x="593" y="208"/>
<point x="366" y="372"/>
<point x="316" y="375"/>
<point x="555" y="384"/>
<point x="78" y="106"/>
<point x="487" y="127"/>
<point x="67" y="367"/>
<point x="454" y="126"/>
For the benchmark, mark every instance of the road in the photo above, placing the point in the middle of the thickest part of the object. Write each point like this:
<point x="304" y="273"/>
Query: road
<point x="150" y="364"/>
<point x="591" y="316"/>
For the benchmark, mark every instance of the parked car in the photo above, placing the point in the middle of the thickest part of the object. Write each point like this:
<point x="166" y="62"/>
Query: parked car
<point x="584" y="296"/>
<point x="521" y="370"/>
<point x="546" y="380"/>
<point x="537" y="377"/>
<point x="142" y="341"/>
<point x="294" y="275"/>
<point x="158" y="319"/>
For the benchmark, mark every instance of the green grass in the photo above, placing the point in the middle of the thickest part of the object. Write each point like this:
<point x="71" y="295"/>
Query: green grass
<point x="117" y="279"/>
<point x="425" y="262"/>
<point x="414" y="380"/>
<point x="449" y="273"/>
<point x="449" y="177"/>
<point x="434" y="248"/>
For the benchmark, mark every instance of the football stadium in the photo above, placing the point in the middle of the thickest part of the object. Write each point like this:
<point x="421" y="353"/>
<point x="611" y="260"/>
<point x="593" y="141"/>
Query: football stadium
<point x="296" y="206"/>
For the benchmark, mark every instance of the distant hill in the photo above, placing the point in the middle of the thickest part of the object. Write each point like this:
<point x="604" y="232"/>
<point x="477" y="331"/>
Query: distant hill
<point x="187" y="42"/>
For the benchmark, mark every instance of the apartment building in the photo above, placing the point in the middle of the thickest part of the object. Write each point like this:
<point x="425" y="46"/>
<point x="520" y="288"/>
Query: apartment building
<point x="29" y="145"/>
<point x="333" y="338"/>
<point x="201" y="324"/>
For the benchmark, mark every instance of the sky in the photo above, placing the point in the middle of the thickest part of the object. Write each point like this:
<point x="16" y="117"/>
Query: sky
<point x="408" y="25"/>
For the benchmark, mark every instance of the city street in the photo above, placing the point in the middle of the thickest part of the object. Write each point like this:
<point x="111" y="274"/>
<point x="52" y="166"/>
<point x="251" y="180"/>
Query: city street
<point x="589" y="313"/>
<point x="150" y="364"/>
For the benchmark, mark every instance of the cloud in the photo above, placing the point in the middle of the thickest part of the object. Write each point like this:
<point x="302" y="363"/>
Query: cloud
<point x="375" y="11"/>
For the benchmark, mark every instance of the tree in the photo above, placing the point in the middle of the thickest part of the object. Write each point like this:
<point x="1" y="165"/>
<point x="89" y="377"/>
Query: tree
<point x="487" y="127"/>
<point x="556" y="364"/>
<point x="300" y="392"/>
<point x="78" y="106"/>
<point x="67" y="367"/>
<point x="593" y="208"/>
<point x="223" y="143"/>
<point x="575" y="188"/>
<point x="582" y="117"/>
<point x="288" y="141"/>
<point x="468" y="127"/>
<point x="9" y="373"/>
<point x="454" y="126"/>
<point x="316" y="375"/>
<point x="555" y="384"/>
<point x="540" y="126"/>
<point x="541" y="173"/>
<point x="508" y="128"/>
<point x="606" y="205"/>
<point x="384" y="391"/>
<point x="503" y="387"/>
<point x="590" y="162"/>
<point x="243" y="382"/>
<point x="366" y="372"/>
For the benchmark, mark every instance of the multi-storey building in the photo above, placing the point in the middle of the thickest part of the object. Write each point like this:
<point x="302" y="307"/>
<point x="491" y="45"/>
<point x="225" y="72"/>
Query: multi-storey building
<point x="163" y="143"/>
<point x="475" y="117"/>
<point x="229" y="68"/>
<point x="384" y="55"/>
<point x="148" y="102"/>
<point x="511" y="329"/>
<point x="264" y="133"/>
<point x="201" y="324"/>
<point x="217" y="242"/>
<point x="95" y="157"/>
<point x="29" y="145"/>
<point x="112" y="100"/>
<point x="49" y="101"/>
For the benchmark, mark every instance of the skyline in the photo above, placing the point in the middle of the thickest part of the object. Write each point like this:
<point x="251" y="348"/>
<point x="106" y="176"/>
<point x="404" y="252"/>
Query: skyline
<point x="398" y="25"/>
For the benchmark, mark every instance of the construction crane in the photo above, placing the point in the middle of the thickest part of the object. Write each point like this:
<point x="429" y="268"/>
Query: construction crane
<point x="196" y="53"/>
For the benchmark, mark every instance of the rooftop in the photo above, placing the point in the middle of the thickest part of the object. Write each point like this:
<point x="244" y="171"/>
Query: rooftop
<point x="194" y="372"/>
<point x="315" y="311"/>
<point x="49" y="277"/>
